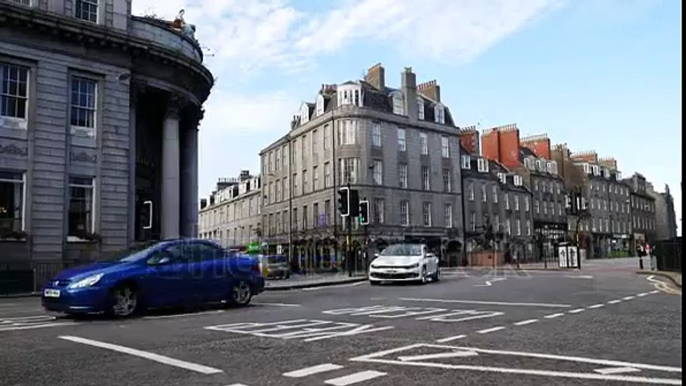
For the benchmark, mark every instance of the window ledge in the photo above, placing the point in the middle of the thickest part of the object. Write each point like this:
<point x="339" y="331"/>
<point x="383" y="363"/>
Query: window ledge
<point x="85" y="132"/>
<point x="13" y="123"/>
<point x="76" y="239"/>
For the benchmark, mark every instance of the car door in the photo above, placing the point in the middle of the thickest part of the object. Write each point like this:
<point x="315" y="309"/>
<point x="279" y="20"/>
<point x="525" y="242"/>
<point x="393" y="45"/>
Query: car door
<point x="214" y="272"/>
<point x="167" y="277"/>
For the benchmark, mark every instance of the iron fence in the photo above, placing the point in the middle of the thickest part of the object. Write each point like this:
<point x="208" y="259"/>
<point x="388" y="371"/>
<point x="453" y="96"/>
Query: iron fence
<point x="25" y="277"/>
<point x="668" y="255"/>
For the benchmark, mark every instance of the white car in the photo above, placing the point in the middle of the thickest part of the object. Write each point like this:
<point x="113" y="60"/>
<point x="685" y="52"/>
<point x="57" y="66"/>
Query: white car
<point x="403" y="263"/>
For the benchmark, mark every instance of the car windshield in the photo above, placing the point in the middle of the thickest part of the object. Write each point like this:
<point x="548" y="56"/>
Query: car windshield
<point x="133" y="253"/>
<point x="402" y="250"/>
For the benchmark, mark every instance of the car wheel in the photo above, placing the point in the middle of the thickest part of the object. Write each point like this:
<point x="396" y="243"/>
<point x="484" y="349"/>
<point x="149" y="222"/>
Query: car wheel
<point x="241" y="294"/>
<point x="437" y="275"/>
<point x="125" y="301"/>
<point x="424" y="278"/>
<point x="374" y="282"/>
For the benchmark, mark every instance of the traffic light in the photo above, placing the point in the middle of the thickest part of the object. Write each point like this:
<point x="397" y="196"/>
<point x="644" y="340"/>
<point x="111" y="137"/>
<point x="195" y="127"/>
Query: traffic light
<point x="344" y="201"/>
<point x="364" y="212"/>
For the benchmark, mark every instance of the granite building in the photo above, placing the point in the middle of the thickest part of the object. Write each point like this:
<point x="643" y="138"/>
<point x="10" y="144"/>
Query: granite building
<point x="398" y="147"/>
<point x="665" y="216"/>
<point x="98" y="128"/>
<point x="232" y="217"/>
<point x="643" y="223"/>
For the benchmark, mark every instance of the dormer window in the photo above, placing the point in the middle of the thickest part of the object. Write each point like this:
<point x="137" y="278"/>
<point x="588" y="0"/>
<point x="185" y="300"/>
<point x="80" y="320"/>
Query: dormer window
<point x="540" y="165"/>
<point x="397" y="98"/>
<point x="483" y="165"/>
<point x="319" y="110"/>
<point x="606" y="173"/>
<point x="596" y="170"/>
<point x="349" y="94"/>
<point x="466" y="162"/>
<point x="502" y="177"/>
<point x="304" y="114"/>
<point x="439" y="114"/>
<point x="529" y="163"/>
<point x="552" y="167"/>
<point x="518" y="180"/>
<point x="420" y="108"/>
<point x="618" y="176"/>
<point x="587" y="168"/>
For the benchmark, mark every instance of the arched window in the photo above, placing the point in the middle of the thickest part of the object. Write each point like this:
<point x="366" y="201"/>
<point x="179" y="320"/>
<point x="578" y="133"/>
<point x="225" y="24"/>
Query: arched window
<point x="320" y="105"/>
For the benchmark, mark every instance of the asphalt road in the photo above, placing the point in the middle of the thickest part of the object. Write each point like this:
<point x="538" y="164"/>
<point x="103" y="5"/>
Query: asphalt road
<point x="602" y="325"/>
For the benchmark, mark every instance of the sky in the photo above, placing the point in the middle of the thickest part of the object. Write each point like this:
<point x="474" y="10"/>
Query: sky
<point x="600" y="75"/>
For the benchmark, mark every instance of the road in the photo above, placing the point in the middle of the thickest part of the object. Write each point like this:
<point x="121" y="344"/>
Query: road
<point x="602" y="325"/>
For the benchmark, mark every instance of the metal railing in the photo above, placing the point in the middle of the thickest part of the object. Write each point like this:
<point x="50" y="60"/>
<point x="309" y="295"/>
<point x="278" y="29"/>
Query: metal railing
<point x="668" y="255"/>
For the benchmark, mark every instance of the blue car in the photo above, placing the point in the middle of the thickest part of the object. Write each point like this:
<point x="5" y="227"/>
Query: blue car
<point x="158" y="275"/>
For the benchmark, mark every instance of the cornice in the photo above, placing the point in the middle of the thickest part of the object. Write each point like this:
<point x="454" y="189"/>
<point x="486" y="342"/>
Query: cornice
<point x="70" y="29"/>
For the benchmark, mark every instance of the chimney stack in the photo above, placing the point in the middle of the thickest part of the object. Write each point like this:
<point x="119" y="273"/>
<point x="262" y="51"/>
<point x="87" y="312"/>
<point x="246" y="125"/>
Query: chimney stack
<point x="539" y="144"/>
<point x="430" y="89"/>
<point x="469" y="138"/>
<point x="408" y="84"/>
<point x="376" y="76"/>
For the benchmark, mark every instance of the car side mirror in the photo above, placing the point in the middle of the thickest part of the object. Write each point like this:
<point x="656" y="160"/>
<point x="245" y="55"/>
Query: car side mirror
<point x="156" y="261"/>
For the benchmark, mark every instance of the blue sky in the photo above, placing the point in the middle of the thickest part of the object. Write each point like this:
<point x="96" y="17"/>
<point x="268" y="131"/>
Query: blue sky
<point x="600" y="75"/>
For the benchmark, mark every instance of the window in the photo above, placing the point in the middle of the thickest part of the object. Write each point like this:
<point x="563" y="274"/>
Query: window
<point x="376" y="134"/>
<point x="377" y="170"/>
<point x="378" y="210"/>
<point x="470" y="189"/>
<point x="483" y="165"/>
<point x="315" y="144"/>
<point x="11" y="202"/>
<point x="305" y="216"/>
<point x="424" y="143"/>
<point x="466" y="162"/>
<point x="347" y="132"/>
<point x="349" y="170"/>
<point x="448" y="215"/>
<point x="518" y="227"/>
<point x="80" y="207"/>
<point x="327" y="175"/>
<point x="402" y="145"/>
<point x="495" y="194"/>
<point x="87" y="10"/>
<point x="404" y="213"/>
<point x="484" y="196"/>
<point x="315" y="179"/>
<point x="14" y="92"/>
<point x="327" y="212"/>
<point x="305" y="182"/>
<point x="420" y="108"/>
<point x="319" y="110"/>
<point x="518" y="180"/>
<point x="496" y="222"/>
<point x="472" y="222"/>
<point x="284" y="157"/>
<point x="439" y="113"/>
<point x="315" y="216"/>
<point x="402" y="176"/>
<point x="295" y="184"/>
<point x="528" y="228"/>
<point x="426" y="178"/>
<point x="327" y="137"/>
<point x="447" y="181"/>
<point x="516" y="202"/>
<point x="397" y="103"/>
<point x="426" y="213"/>
<point x="526" y="203"/>
<point x="506" y="198"/>
<point x="83" y="95"/>
<point x="284" y="187"/>
<point x="304" y="148"/>
<point x="445" y="147"/>
<point x="278" y="191"/>
<point x="304" y="114"/>
<point x="508" y="226"/>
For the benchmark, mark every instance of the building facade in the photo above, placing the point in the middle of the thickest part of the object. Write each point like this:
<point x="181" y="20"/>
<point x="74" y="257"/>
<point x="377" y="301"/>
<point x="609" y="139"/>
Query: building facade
<point x="398" y="147"/>
<point x="530" y="157"/>
<point x="232" y="217"/>
<point x="98" y="128"/>
<point x="665" y="216"/>
<point x="643" y="220"/>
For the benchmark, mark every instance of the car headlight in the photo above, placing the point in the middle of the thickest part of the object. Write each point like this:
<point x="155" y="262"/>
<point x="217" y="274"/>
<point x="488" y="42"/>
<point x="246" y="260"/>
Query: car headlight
<point x="415" y="265"/>
<point x="87" y="282"/>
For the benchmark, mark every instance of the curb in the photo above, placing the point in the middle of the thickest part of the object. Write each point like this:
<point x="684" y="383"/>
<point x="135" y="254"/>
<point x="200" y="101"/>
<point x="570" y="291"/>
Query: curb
<point x="662" y="274"/>
<point x="313" y="285"/>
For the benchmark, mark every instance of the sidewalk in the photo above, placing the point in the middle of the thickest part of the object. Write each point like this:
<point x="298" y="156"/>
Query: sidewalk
<point x="313" y="280"/>
<point x="674" y="277"/>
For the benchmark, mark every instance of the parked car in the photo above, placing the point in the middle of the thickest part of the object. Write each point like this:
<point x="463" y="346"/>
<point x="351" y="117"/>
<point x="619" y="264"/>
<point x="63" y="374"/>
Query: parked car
<point x="405" y="262"/>
<point x="162" y="274"/>
<point x="275" y="266"/>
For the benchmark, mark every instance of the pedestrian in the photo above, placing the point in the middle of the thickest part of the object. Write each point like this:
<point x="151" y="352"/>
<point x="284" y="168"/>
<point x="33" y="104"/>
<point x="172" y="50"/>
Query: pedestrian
<point x="515" y="258"/>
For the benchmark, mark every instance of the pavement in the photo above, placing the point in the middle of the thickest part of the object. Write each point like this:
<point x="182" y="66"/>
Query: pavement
<point x="602" y="325"/>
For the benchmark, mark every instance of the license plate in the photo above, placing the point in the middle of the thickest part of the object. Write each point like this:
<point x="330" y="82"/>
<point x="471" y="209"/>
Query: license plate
<point x="51" y="293"/>
<point x="391" y="271"/>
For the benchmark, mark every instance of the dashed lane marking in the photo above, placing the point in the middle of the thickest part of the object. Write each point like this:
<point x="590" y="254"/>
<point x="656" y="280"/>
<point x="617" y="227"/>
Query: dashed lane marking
<point x="617" y="370"/>
<point x="276" y="304"/>
<point x="578" y="310"/>
<point x="525" y="322"/>
<point x="489" y="330"/>
<point x="214" y="312"/>
<point x="596" y="306"/>
<point x="553" y="316"/>
<point x="451" y="338"/>
<point x="549" y="305"/>
<point x="627" y="298"/>
<point x="144" y="354"/>
<point x="312" y="370"/>
<point x="354" y="378"/>
<point x="614" y="301"/>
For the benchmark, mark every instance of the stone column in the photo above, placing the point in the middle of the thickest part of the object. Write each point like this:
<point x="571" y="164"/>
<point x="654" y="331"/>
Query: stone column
<point x="191" y="184"/>
<point x="135" y="90"/>
<point x="171" y="176"/>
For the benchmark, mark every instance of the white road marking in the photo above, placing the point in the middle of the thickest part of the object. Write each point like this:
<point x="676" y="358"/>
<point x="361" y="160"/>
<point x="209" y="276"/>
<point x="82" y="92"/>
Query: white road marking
<point x="447" y="318"/>
<point x="312" y="370"/>
<point x="238" y="384"/>
<point x="627" y="298"/>
<point x="376" y="358"/>
<point x="451" y="338"/>
<point x="333" y="286"/>
<point x="144" y="354"/>
<point x="596" y="306"/>
<point x="184" y="315"/>
<point x="643" y="294"/>
<point x="614" y="301"/>
<point x="553" y="316"/>
<point x="354" y="378"/>
<point x="488" y="282"/>
<point x="576" y="311"/>
<point x="654" y="292"/>
<point x="549" y="305"/>
<point x="276" y="304"/>
<point x="34" y="318"/>
<point x="525" y="322"/>
<point x="579" y="276"/>
<point x="492" y="329"/>
<point x="34" y="326"/>
<point x="617" y="370"/>
<point x="454" y="354"/>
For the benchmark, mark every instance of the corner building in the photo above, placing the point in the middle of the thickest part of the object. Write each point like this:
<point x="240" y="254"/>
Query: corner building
<point x="398" y="147"/>
<point x="98" y="128"/>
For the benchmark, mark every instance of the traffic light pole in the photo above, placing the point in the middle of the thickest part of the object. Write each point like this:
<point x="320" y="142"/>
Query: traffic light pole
<point x="349" y="227"/>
